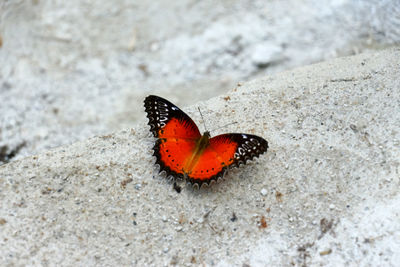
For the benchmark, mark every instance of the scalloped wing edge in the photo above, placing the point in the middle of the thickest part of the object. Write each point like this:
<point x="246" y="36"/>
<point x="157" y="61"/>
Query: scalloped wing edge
<point x="197" y="182"/>
<point x="149" y="114"/>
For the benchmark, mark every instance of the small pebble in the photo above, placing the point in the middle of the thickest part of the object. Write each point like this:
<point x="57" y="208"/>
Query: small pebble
<point x="331" y="206"/>
<point x="264" y="192"/>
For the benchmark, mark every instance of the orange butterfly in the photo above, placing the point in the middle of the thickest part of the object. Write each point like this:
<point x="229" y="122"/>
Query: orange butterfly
<point x="182" y="152"/>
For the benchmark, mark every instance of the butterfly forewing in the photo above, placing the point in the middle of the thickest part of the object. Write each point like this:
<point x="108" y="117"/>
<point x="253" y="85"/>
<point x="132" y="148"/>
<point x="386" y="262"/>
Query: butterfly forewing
<point x="176" y="132"/>
<point x="224" y="151"/>
<point x="248" y="146"/>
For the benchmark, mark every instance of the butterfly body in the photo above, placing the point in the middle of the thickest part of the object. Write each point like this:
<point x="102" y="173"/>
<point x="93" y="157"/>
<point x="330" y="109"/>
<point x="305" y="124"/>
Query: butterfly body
<point x="182" y="152"/>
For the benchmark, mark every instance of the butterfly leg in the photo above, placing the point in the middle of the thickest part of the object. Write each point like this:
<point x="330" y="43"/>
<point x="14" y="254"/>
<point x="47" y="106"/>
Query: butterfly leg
<point x="177" y="187"/>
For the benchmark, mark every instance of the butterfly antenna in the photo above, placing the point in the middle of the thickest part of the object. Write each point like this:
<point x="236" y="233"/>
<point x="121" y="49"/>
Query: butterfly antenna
<point x="225" y="125"/>
<point x="204" y="122"/>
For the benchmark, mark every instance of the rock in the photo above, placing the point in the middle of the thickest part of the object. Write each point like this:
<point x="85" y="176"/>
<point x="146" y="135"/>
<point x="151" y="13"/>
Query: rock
<point x="67" y="207"/>
<point x="263" y="192"/>
<point x="264" y="54"/>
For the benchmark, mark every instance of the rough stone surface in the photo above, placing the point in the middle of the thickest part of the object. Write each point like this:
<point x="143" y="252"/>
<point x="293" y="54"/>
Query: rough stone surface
<point x="331" y="175"/>
<point x="73" y="69"/>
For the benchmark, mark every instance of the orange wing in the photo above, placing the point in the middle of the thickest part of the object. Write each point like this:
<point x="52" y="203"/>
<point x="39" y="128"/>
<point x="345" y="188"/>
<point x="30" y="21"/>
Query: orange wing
<point x="176" y="132"/>
<point x="224" y="151"/>
<point x="172" y="153"/>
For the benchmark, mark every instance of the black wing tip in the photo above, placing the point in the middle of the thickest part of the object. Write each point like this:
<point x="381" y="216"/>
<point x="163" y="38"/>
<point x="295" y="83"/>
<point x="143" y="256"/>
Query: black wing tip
<point x="148" y="101"/>
<point x="261" y="147"/>
<point x="263" y="143"/>
<point x="150" y="111"/>
<point x="152" y="97"/>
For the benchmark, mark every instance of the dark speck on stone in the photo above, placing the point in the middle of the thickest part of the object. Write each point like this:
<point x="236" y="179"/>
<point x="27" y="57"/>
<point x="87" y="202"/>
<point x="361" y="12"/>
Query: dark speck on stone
<point x="233" y="218"/>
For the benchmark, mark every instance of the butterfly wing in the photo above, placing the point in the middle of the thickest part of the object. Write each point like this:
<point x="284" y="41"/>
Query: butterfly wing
<point x="175" y="131"/>
<point x="168" y="121"/>
<point x="224" y="151"/>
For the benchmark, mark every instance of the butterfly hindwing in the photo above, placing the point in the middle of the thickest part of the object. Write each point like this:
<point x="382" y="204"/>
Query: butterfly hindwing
<point x="172" y="154"/>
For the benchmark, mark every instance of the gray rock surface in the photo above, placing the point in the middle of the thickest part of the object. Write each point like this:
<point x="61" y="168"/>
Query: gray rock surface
<point x="326" y="193"/>
<point x="73" y="69"/>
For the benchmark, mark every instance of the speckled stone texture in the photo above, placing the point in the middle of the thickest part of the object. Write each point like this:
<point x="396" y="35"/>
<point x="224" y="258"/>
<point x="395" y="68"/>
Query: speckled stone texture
<point x="326" y="193"/>
<point x="73" y="69"/>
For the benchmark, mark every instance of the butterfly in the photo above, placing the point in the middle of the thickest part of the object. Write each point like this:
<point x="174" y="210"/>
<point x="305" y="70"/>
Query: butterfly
<point x="181" y="151"/>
